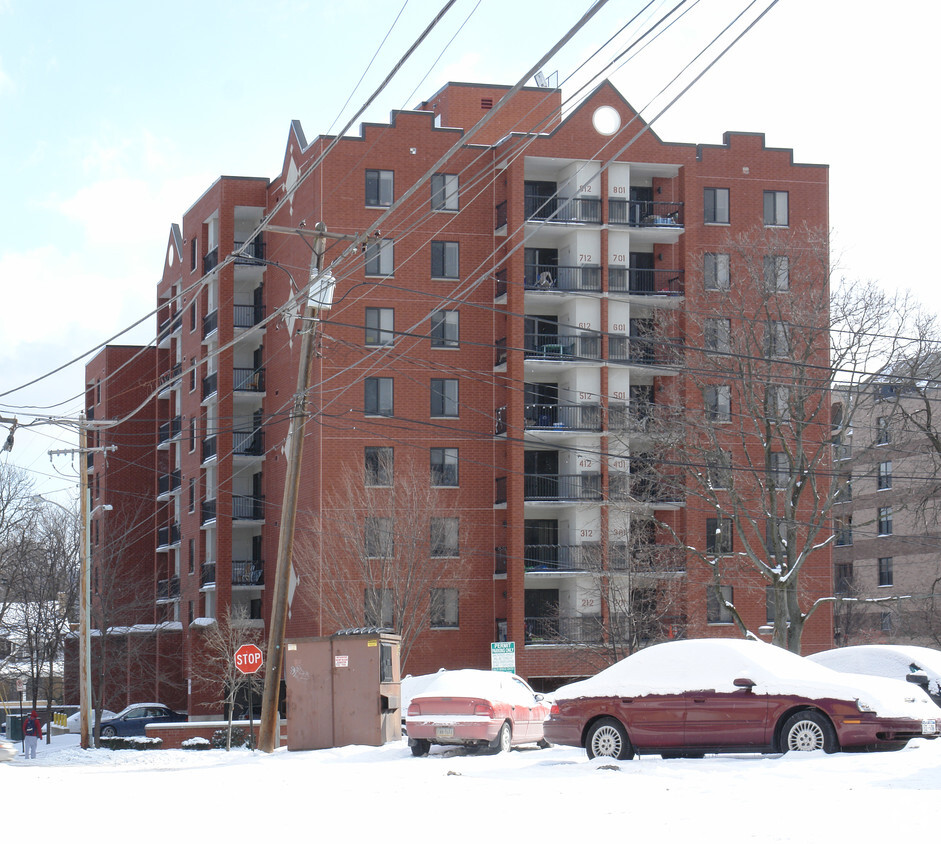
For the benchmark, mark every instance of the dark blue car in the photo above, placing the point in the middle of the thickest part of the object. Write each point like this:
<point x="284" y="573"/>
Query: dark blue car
<point x="131" y="720"/>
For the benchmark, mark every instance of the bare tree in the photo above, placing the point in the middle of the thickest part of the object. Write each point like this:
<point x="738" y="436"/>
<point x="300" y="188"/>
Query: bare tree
<point x="387" y="551"/>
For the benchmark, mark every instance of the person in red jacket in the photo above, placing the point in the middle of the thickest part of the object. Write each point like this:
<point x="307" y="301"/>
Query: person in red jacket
<point x="32" y="733"/>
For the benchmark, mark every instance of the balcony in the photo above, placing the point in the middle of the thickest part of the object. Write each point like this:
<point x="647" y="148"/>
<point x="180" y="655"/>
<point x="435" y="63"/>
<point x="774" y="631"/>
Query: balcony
<point x="210" y="323"/>
<point x="645" y="351"/>
<point x="207" y="511"/>
<point x="253" y="251"/>
<point x="248" y="380"/>
<point x="210" y="385"/>
<point x="170" y="380"/>
<point x="580" y="629"/>
<point x="641" y="417"/>
<point x="573" y="417"/>
<point x="551" y="558"/>
<point x="248" y="508"/>
<point x="248" y="573"/>
<point x="559" y="347"/>
<point x="208" y="451"/>
<point x="500" y="278"/>
<point x="556" y="209"/>
<point x="211" y="260"/>
<point x="645" y="282"/>
<point x="500" y="219"/>
<point x="247" y="316"/>
<point x="168" y="537"/>
<point x="645" y="213"/>
<point x="583" y="487"/>
<point x="248" y="443"/>
<point x="168" y="432"/>
<point x="168" y="328"/>
<point x="549" y="278"/>
<point x="169" y="589"/>
<point x="645" y="485"/>
<point x="167" y="484"/>
<point x="207" y="574"/>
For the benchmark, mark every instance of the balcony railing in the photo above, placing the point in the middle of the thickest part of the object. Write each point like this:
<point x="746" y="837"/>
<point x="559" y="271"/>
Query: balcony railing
<point x="248" y="508"/>
<point x="551" y="278"/>
<point x="248" y="380"/>
<point x="500" y="215"/>
<point x="210" y="323"/>
<point x="576" y="209"/>
<point x="499" y="491"/>
<point x="169" y="326"/>
<point x="562" y="557"/>
<point x="207" y="511"/>
<point x="578" y="417"/>
<point x="168" y="536"/>
<point x="645" y="351"/>
<point x="167" y="379"/>
<point x="501" y="282"/>
<point x="645" y="485"/>
<point x="584" y="487"/>
<point x="500" y="352"/>
<point x="169" y="431"/>
<point x="207" y="574"/>
<point x="209" y="447"/>
<point x="247" y="316"/>
<point x="581" y="629"/>
<point x="248" y="443"/>
<point x="248" y="573"/>
<point x="645" y="282"/>
<point x="590" y="629"/>
<point x="167" y="483"/>
<point x="640" y="417"/>
<point x="255" y="249"/>
<point x="169" y="589"/>
<point x="499" y="559"/>
<point x="210" y="384"/>
<point x="645" y="213"/>
<point x="210" y="260"/>
<point x="563" y="346"/>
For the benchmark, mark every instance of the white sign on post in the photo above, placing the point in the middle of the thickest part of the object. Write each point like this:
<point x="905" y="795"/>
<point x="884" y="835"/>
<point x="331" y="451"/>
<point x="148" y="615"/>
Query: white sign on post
<point x="503" y="656"/>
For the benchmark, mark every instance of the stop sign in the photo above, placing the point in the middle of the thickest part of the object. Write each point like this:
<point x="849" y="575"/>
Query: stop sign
<point x="248" y="659"/>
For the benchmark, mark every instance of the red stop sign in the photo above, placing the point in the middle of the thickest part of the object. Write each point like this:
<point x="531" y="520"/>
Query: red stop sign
<point x="248" y="659"/>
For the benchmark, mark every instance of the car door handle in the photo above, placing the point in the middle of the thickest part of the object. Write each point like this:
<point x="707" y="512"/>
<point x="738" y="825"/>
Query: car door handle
<point x="699" y="700"/>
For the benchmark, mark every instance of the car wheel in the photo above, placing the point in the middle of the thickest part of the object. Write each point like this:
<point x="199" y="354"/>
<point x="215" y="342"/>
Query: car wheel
<point x="808" y="730"/>
<point x="420" y="747"/>
<point x="504" y="739"/>
<point x="109" y="732"/>
<point x="608" y="738"/>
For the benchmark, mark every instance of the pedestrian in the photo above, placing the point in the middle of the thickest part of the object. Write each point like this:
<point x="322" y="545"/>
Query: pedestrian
<point x="32" y="733"/>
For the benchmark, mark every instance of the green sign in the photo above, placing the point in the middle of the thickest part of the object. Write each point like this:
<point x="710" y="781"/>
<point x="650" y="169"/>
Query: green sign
<point x="503" y="656"/>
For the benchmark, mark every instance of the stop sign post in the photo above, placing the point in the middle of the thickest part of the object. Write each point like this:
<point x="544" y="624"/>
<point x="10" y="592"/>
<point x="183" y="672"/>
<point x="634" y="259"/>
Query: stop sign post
<point x="248" y="658"/>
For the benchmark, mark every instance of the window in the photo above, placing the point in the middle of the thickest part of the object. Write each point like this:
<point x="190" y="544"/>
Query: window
<point x="193" y="317"/>
<point x="777" y="342"/>
<point x="715" y="205"/>
<point x="718" y="334"/>
<point x="719" y="470"/>
<point x="192" y="375"/>
<point x="444" y="537"/>
<point x="192" y="555"/>
<point x="377" y="537"/>
<point x="444" y="467"/>
<point x="844" y="578"/>
<point x="885" y="475"/>
<point x="445" y="329"/>
<point x="883" y="435"/>
<point x="445" y="259"/>
<point x="378" y="396"/>
<point x="717" y="611"/>
<point x="194" y="253"/>
<point x="769" y="605"/>
<point x="378" y="607"/>
<point x="777" y="273"/>
<point x="843" y="528"/>
<point x="444" y="192"/>
<point x="885" y="571"/>
<point x="718" y="403"/>
<point x="779" y="469"/>
<point x="885" y="521"/>
<point x="444" y="604"/>
<point x="379" y="325"/>
<point x="886" y="622"/>
<point x="192" y="435"/>
<point x="378" y="465"/>
<point x="716" y="271"/>
<point x="718" y="536"/>
<point x="775" y="536"/>
<point x="775" y="211"/>
<point x="379" y="188"/>
<point x="192" y="495"/>
<point x="778" y="402"/>
<point x="444" y="397"/>
<point x="844" y="489"/>
<point x="380" y="257"/>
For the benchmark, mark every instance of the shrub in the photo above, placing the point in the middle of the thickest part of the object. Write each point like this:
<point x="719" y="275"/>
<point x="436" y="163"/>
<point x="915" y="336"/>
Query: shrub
<point x="240" y="738"/>
<point x="131" y="743"/>
<point x="196" y="743"/>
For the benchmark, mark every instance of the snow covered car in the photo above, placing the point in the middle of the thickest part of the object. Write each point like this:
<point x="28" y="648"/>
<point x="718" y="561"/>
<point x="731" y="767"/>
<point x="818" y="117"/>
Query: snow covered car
<point x="697" y="696"/>
<point x="475" y="709"/>
<point x="132" y="720"/>
<point x="7" y="750"/>
<point x="921" y="666"/>
<point x="409" y="688"/>
<point x="73" y="722"/>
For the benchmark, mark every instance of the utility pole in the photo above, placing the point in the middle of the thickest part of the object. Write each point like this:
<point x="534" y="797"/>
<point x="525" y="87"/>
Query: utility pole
<point x="320" y="298"/>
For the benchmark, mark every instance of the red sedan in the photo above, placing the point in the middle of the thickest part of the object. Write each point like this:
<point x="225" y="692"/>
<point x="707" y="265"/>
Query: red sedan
<point x="718" y="695"/>
<point x="475" y="709"/>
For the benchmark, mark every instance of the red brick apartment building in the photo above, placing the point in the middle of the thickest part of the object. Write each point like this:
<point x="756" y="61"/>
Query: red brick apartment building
<point x="496" y="342"/>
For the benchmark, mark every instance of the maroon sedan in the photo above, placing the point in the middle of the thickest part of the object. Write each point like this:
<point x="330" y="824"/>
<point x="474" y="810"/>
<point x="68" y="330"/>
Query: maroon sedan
<point x="718" y="695"/>
<point x="475" y="709"/>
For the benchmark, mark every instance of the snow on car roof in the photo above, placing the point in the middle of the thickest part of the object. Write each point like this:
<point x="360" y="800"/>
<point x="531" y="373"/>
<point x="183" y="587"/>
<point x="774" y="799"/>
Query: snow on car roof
<point x="475" y="682"/>
<point x="884" y="661"/>
<point x="690" y="664"/>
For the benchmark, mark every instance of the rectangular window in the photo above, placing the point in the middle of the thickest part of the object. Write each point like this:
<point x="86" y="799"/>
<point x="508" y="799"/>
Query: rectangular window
<point x="779" y="469"/>
<point x="844" y="578"/>
<point x="883" y="435"/>
<point x="716" y="271"/>
<point x="378" y="465"/>
<point x="444" y="397"/>
<point x="716" y="205"/>
<point x="444" y="192"/>
<point x="769" y="605"/>
<point x="194" y="253"/>
<point x="192" y="435"/>
<point x="445" y="261"/>
<point x="445" y="329"/>
<point x="778" y="402"/>
<point x="885" y="571"/>
<point x="377" y="537"/>
<point x="378" y="188"/>
<point x="885" y="475"/>
<point x="718" y="403"/>
<point x="843" y="529"/>
<point x="777" y="342"/>
<point x="192" y="556"/>
<point x="717" y="609"/>
<point x="380" y="257"/>
<point x="718" y="335"/>
<point x="718" y="536"/>
<point x="444" y="537"/>
<point x="719" y="470"/>
<point x="844" y="489"/>
<point x="775" y="211"/>
<point x="379" y="326"/>
<point x="444" y="465"/>
<point x="377" y="610"/>
<point x="885" y="521"/>
<point x="192" y="495"/>
<point x="443" y="610"/>
<point x="193" y="317"/>
<point x="777" y="273"/>
<point x="776" y="537"/>
<point x="378" y="397"/>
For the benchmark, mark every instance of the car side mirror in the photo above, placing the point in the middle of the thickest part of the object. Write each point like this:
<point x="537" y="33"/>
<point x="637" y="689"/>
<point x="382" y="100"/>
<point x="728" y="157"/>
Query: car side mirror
<point x="743" y="683"/>
<point x="919" y="678"/>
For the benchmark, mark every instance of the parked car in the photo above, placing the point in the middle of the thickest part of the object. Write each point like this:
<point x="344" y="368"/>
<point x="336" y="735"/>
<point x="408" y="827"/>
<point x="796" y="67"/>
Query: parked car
<point x="697" y="696"/>
<point x="73" y="722"/>
<point x="7" y="750"/>
<point x="921" y="666"/>
<point x="475" y="709"/>
<point x="131" y="720"/>
<point x="409" y="688"/>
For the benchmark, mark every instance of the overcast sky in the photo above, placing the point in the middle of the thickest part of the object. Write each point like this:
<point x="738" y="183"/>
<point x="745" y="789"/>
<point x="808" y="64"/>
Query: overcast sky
<point x="116" y="116"/>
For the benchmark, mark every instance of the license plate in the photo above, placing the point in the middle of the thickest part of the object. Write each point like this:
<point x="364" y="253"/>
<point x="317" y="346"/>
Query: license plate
<point x="444" y="732"/>
<point x="929" y="728"/>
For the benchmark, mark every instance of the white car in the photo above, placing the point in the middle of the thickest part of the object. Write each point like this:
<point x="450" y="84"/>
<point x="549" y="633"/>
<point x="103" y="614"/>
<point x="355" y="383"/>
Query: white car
<point x="73" y="722"/>
<point x="918" y="665"/>
<point x="7" y="750"/>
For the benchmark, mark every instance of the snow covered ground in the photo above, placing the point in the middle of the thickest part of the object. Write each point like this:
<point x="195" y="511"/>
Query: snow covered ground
<point x="366" y="794"/>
